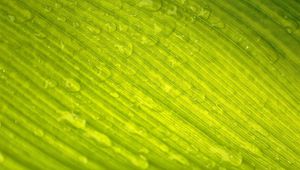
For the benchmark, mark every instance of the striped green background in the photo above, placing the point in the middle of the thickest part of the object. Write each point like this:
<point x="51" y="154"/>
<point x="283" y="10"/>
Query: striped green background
<point x="149" y="84"/>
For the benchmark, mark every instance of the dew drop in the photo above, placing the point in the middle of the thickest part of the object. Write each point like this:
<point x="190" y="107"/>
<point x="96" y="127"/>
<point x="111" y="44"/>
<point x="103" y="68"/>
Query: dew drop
<point x="172" y="10"/>
<point x="99" y="137"/>
<point x="236" y="159"/>
<point x="115" y="94"/>
<point x="179" y="158"/>
<point x="210" y="164"/>
<point x="26" y="15"/>
<point x="164" y="28"/>
<point x="40" y="35"/>
<point x="39" y="132"/>
<point x="102" y="72"/>
<point x="11" y="18"/>
<point x="216" y="22"/>
<point x="47" y="8"/>
<point x="1" y="158"/>
<point x="141" y="162"/>
<point x="110" y="27"/>
<point x="83" y="159"/>
<point x="203" y="13"/>
<point x="125" y="49"/>
<point x="72" y="85"/>
<point x="48" y="84"/>
<point x="151" y="5"/>
<point x="61" y="19"/>
<point x="73" y="119"/>
<point x="93" y="29"/>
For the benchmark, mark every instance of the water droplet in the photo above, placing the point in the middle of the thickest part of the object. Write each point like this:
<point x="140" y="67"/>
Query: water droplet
<point x="142" y="162"/>
<point x="72" y="85"/>
<point x="115" y="94"/>
<point x="11" y="18"/>
<point x="151" y="5"/>
<point x="123" y="27"/>
<point x="61" y="18"/>
<point x="93" y="29"/>
<point x="73" y="119"/>
<point x="179" y="158"/>
<point x="40" y="35"/>
<point x="83" y="159"/>
<point x="48" y="83"/>
<point x="26" y="15"/>
<point x="210" y="164"/>
<point x="139" y="161"/>
<point x="192" y="149"/>
<point x="216" y="22"/>
<point x="165" y="27"/>
<point x="39" y="132"/>
<point x="99" y="137"/>
<point x="144" y="150"/>
<point x="172" y="10"/>
<point x="47" y="8"/>
<point x="125" y="49"/>
<point x="110" y="27"/>
<point x="236" y="159"/>
<point x="103" y="72"/>
<point x="203" y="13"/>
<point x="1" y="158"/>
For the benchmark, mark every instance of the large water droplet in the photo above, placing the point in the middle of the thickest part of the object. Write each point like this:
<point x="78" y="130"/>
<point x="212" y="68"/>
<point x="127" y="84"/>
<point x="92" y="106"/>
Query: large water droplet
<point x="72" y="85"/>
<point x="151" y="5"/>
<point x="99" y="137"/>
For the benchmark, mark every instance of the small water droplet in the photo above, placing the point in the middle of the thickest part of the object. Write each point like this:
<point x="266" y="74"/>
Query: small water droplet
<point x="39" y="132"/>
<point x="93" y="29"/>
<point x="73" y="119"/>
<point x="151" y="5"/>
<point x="110" y="27"/>
<point x="99" y="137"/>
<point x="144" y="150"/>
<point x="26" y="15"/>
<point x="216" y="22"/>
<point x="83" y="159"/>
<point x="40" y="35"/>
<point x="179" y="158"/>
<point x="172" y="10"/>
<point x="236" y="159"/>
<point x="47" y="8"/>
<point x="61" y="18"/>
<point x="115" y="94"/>
<point x="164" y="28"/>
<point x="125" y="49"/>
<point x="11" y="18"/>
<point x="48" y="83"/>
<point x="72" y="85"/>
<point x="1" y="158"/>
<point x="103" y="72"/>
